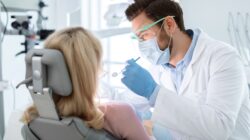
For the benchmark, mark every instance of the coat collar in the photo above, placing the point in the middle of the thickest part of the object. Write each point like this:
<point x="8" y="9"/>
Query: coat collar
<point x="203" y="39"/>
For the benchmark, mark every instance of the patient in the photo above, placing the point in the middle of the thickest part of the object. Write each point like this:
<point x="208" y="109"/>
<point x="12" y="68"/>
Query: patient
<point x="83" y="53"/>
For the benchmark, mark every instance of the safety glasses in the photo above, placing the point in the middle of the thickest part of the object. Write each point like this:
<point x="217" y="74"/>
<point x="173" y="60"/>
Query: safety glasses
<point x="144" y="33"/>
<point x="145" y="28"/>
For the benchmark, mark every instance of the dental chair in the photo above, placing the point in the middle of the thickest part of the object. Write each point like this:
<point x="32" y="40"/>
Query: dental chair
<point x="47" y="76"/>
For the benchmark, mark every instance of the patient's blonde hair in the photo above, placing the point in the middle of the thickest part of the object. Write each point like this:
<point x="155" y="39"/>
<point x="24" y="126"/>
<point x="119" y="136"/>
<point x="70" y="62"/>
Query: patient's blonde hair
<point x="82" y="53"/>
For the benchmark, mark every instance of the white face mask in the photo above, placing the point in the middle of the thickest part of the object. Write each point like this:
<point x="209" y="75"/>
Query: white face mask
<point x="151" y="51"/>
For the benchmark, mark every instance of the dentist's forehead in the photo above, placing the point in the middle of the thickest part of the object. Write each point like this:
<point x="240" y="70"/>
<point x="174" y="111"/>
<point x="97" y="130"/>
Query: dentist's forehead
<point x="138" y="27"/>
<point x="140" y="21"/>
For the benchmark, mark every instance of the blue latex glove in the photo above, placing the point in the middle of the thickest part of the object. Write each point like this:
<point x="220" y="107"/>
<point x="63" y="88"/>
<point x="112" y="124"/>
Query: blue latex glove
<point x="138" y="79"/>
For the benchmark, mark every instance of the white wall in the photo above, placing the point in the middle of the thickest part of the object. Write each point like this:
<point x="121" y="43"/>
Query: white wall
<point x="212" y="15"/>
<point x="62" y="8"/>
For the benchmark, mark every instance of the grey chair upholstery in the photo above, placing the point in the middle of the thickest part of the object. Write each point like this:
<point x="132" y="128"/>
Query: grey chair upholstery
<point x="47" y="74"/>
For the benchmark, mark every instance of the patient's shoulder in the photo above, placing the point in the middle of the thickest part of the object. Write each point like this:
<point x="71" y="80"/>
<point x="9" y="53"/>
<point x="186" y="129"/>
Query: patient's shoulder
<point x="116" y="108"/>
<point x="116" y="117"/>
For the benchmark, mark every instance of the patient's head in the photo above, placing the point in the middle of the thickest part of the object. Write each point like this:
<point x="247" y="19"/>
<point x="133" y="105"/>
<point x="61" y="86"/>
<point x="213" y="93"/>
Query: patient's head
<point x="82" y="53"/>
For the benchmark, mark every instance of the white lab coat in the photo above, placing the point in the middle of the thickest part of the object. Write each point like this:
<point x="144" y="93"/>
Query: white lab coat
<point x="213" y="101"/>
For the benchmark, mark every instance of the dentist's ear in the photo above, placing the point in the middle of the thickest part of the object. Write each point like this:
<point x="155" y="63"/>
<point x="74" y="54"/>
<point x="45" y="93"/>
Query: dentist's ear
<point x="170" y="25"/>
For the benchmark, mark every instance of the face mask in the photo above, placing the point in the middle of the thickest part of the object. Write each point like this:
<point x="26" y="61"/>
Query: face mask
<point x="150" y="50"/>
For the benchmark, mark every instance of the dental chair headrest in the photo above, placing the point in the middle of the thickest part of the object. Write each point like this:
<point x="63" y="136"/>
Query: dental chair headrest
<point x="58" y="78"/>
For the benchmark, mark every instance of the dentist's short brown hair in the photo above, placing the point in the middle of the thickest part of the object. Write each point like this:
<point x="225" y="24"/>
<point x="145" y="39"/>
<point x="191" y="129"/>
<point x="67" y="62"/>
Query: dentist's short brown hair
<point x="155" y="10"/>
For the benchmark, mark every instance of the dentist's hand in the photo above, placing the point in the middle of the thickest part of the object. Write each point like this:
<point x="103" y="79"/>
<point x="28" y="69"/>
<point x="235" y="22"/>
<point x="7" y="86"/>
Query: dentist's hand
<point x="138" y="79"/>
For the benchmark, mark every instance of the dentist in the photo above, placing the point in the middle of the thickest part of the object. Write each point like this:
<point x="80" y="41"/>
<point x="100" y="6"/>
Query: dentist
<point x="203" y="92"/>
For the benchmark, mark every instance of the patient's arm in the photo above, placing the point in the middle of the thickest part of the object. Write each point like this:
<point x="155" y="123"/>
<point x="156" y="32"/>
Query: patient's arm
<point x="121" y="121"/>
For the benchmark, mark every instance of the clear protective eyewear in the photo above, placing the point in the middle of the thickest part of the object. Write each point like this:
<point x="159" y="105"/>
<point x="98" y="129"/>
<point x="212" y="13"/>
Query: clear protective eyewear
<point x="144" y="33"/>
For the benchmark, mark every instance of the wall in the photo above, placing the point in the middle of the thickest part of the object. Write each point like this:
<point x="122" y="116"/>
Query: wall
<point x="212" y="15"/>
<point x="62" y="8"/>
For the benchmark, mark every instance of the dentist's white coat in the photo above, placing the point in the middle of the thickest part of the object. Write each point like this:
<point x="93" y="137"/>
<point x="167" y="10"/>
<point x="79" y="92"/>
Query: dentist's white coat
<point x="213" y="102"/>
